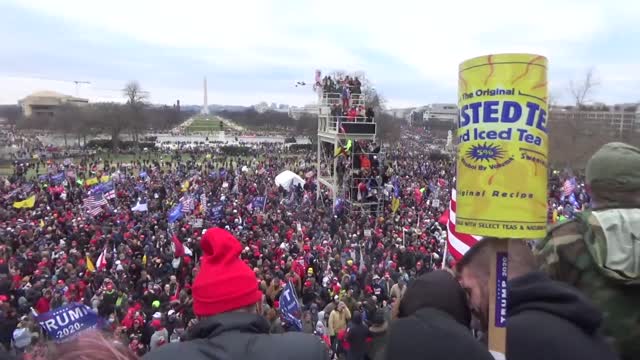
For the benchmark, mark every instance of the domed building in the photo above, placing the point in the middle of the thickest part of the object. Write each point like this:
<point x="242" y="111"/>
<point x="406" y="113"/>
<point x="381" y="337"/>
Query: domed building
<point x="44" y="103"/>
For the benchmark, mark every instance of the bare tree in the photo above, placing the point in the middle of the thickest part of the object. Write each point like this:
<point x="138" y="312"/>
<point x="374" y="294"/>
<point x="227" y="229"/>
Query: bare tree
<point x="11" y="112"/>
<point x="134" y="93"/>
<point x="552" y="100"/>
<point x="580" y="91"/>
<point x="135" y="101"/>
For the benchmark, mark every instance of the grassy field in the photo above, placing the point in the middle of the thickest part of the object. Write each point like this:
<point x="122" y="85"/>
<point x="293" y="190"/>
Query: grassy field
<point x="204" y="125"/>
<point x="210" y="124"/>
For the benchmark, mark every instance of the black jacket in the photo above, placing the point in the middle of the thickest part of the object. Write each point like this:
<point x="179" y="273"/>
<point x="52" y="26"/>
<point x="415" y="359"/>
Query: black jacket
<point x="375" y="349"/>
<point x="357" y="337"/>
<point x="433" y="334"/>
<point x="550" y="320"/>
<point x="243" y="336"/>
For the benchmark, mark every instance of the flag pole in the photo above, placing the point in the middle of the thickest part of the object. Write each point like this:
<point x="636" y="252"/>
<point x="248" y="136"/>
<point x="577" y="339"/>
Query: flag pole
<point x="498" y="296"/>
<point x="445" y="252"/>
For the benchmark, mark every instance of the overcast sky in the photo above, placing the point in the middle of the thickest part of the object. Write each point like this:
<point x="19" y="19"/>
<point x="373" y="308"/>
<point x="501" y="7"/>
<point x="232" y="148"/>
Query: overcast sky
<point x="252" y="51"/>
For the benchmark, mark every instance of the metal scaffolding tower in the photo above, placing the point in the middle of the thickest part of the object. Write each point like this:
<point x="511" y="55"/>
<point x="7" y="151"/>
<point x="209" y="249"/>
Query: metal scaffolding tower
<point x="349" y="158"/>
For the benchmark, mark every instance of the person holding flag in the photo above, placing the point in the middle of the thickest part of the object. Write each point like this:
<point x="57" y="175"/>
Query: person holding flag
<point x="228" y="303"/>
<point x="289" y="307"/>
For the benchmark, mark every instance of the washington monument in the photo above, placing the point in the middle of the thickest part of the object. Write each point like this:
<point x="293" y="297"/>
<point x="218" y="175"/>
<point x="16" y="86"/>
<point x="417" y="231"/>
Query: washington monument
<point x="205" y="106"/>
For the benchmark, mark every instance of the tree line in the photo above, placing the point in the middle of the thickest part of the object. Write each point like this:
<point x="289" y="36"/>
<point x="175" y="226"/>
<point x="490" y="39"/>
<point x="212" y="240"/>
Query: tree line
<point x="133" y="118"/>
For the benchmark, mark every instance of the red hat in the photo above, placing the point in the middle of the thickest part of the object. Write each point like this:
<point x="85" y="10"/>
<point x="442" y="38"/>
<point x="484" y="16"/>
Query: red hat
<point x="224" y="282"/>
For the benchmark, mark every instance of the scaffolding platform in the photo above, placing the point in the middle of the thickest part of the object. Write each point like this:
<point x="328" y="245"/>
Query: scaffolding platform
<point x="346" y="137"/>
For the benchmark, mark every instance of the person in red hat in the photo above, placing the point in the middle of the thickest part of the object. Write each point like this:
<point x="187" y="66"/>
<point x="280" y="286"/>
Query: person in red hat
<point x="228" y="305"/>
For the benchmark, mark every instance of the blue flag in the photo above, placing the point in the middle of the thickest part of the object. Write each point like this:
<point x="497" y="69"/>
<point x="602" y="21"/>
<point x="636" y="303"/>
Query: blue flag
<point x="289" y="307"/>
<point x="102" y="188"/>
<point x="57" y="178"/>
<point x="396" y="187"/>
<point x="259" y="202"/>
<point x="67" y="321"/>
<point x="339" y="206"/>
<point x="217" y="212"/>
<point x="176" y="213"/>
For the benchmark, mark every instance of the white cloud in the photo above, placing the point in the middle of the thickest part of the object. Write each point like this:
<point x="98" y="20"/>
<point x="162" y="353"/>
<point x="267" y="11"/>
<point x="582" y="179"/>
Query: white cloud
<point x="429" y="38"/>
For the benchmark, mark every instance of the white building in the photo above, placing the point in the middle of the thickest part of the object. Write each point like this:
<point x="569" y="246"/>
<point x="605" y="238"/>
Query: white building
<point x="400" y="113"/>
<point x="441" y="112"/>
<point x="617" y="119"/>
<point x="45" y="103"/>
<point x="295" y="111"/>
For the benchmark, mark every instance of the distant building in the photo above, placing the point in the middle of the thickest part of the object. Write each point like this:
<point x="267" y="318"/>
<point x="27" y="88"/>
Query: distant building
<point x="296" y="112"/>
<point x="261" y="107"/>
<point x="617" y="119"/>
<point x="441" y="113"/>
<point x="264" y="106"/>
<point x="44" y="103"/>
<point x="403" y="113"/>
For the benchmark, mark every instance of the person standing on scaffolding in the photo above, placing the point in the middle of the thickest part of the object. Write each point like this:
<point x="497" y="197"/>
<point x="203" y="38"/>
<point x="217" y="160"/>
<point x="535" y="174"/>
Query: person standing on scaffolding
<point x="345" y="97"/>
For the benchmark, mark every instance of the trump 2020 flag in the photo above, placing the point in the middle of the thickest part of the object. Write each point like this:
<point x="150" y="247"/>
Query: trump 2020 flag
<point x="259" y="202"/>
<point x="289" y="307"/>
<point x="217" y="212"/>
<point x="68" y="321"/>
<point x="176" y="213"/>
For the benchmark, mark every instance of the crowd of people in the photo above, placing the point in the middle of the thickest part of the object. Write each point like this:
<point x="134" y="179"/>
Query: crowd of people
<point x="345" y="99"/>
<point x="190" y="254"/>
<point x="142" y="282"/>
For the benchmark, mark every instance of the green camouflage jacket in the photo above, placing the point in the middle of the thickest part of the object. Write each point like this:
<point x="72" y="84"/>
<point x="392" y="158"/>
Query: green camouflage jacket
<point x="599" y="253"/>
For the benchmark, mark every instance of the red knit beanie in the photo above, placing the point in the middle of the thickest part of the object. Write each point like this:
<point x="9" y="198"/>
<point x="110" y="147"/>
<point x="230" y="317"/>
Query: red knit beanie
<point x="224" y="282"/>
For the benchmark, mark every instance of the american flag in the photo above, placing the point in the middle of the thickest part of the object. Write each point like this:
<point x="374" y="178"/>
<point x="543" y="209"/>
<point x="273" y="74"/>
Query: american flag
<point x="93" y="204"/>
<point x="457" y="243"/>
<point x="111" y="194"/>
<point x="101" y="263"/>
<point x="94" y="211"/>
<point x="188" y="204"/>
<point x="569" y="186"/>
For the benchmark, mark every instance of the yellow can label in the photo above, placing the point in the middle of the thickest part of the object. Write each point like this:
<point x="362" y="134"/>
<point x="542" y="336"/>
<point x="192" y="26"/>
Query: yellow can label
<point x="502" y="146"/>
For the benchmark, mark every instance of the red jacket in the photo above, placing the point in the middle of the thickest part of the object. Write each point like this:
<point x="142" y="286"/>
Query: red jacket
<point x="351" y="114"/>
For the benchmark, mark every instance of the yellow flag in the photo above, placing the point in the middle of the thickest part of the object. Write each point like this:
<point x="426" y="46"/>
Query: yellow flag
<point x="41" y="224"/>
<point x="91" y="181"/>
<point x="395" y="204"/>
<point x="554" y="219"/>
<point x="185" y="186"/>
<point x="25" y="204"/>
<point x="144" y="260"/>
<point x="105" y="179"/>
<point x="90" y="266"/>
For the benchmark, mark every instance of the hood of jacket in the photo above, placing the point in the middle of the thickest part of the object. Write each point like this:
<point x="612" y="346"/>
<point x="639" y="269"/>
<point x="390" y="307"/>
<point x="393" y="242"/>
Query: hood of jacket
<point x="229" y="322"/>
<point x="536" y="292"/>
